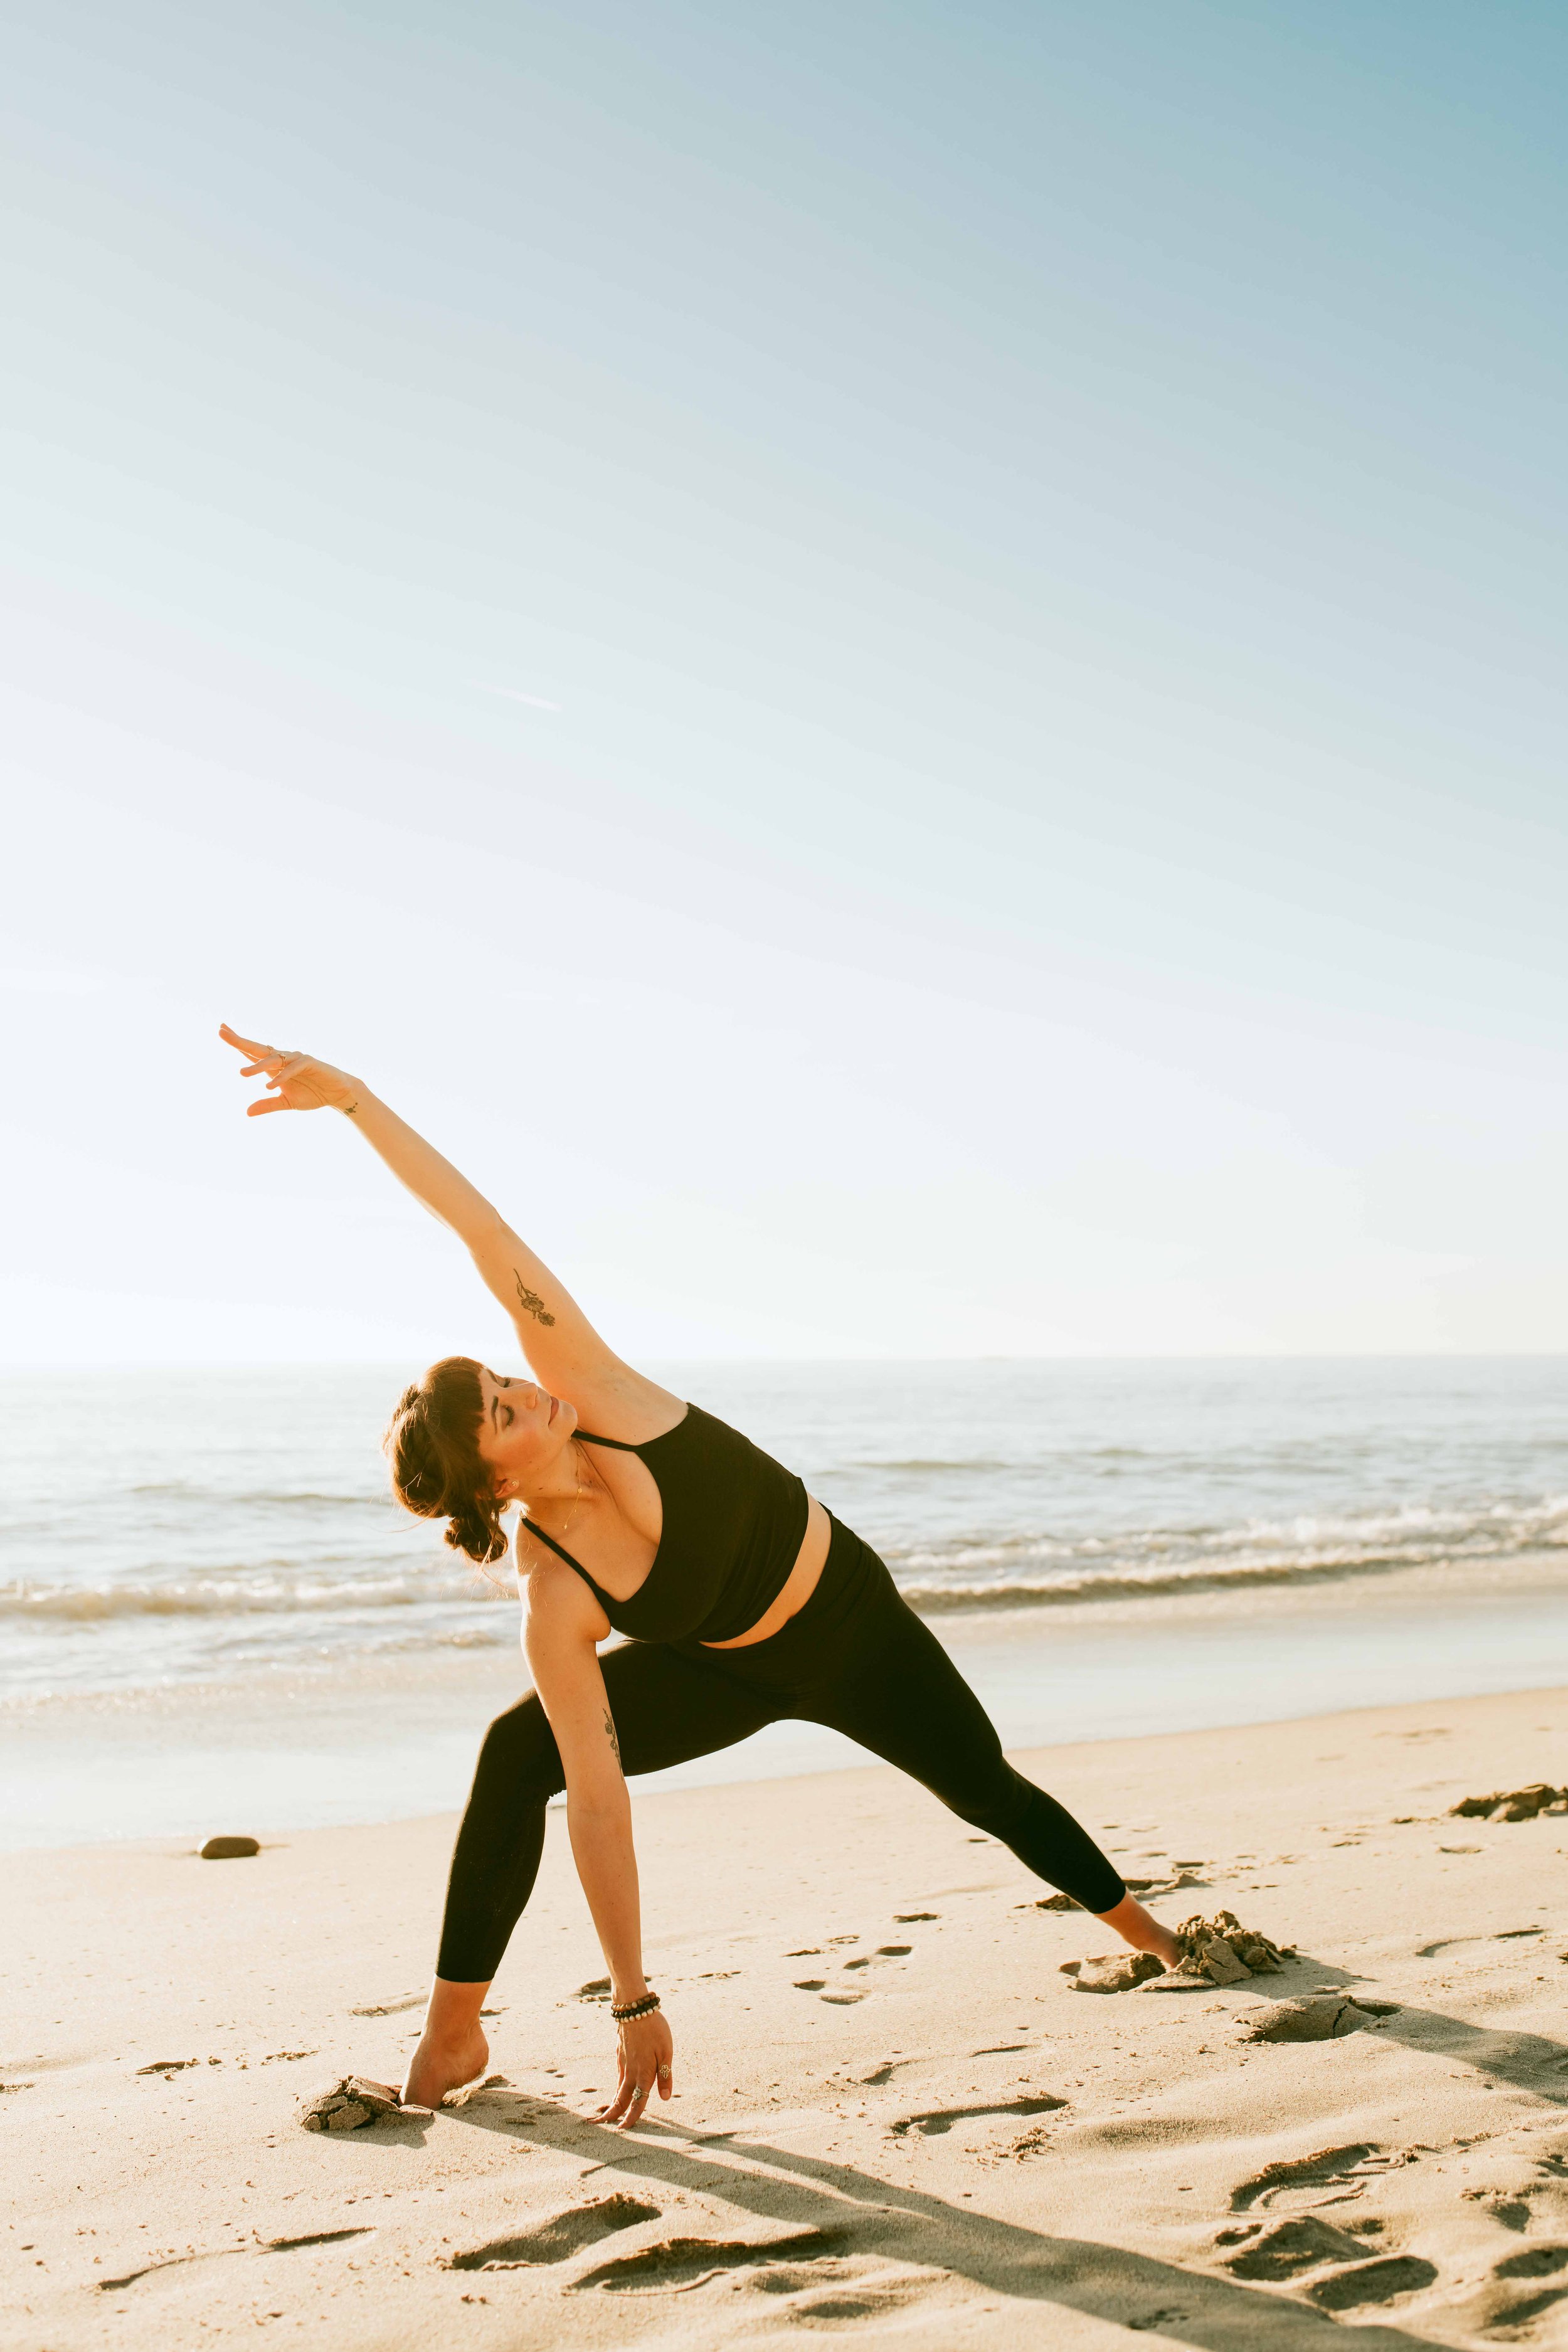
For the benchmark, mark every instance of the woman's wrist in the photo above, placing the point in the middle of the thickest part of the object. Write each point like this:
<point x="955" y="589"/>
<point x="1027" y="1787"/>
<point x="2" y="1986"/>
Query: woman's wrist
<point x="628" y="1989"/>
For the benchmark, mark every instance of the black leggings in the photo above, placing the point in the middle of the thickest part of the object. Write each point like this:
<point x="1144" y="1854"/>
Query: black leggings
<point x="856" y="1658"/>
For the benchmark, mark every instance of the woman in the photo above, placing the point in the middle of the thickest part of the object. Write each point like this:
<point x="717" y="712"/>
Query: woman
<point x="744" y="1600"/>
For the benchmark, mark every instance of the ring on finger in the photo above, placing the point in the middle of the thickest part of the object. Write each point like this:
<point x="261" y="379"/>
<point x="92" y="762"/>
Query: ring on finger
<point x="638" y="2090"/>
<point x="664" y="2073"/>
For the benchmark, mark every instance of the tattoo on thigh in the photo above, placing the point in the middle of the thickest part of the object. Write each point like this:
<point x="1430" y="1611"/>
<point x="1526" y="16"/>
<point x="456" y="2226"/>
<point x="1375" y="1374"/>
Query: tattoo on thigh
<point x="531" y="1301"/>
<point x="610" y="1735"/>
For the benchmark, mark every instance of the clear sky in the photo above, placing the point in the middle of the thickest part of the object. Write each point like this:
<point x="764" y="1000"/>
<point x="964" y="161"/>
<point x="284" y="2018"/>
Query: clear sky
<point x="898" y="666"/>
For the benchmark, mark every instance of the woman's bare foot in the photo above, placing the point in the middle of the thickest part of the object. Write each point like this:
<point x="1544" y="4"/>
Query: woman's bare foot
<point x="439" y="2066"/>
<point x="452" y="2049"/>
<point x="1142" y="1930"/>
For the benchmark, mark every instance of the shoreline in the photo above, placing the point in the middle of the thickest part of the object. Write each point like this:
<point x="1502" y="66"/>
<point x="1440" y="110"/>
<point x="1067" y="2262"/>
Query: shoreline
<point x="395" y="1738"/>
<point x="892" y="2109"/>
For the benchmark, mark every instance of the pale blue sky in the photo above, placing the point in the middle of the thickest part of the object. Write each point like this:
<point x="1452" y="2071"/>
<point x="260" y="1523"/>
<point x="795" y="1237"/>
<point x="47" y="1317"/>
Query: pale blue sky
<point x="898" y="666"/>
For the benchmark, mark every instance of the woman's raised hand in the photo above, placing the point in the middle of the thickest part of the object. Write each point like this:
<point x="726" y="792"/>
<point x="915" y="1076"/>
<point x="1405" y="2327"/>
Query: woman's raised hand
<point x="295" y="1081"/>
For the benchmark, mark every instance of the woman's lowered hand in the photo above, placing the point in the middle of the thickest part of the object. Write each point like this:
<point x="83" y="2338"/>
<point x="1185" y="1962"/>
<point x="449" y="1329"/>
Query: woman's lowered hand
<point x="295" y="1081"/>
<point x="646" y="2055"/>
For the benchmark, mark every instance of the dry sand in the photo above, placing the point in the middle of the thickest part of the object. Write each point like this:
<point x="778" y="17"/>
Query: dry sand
<point x="896" y="2119"/>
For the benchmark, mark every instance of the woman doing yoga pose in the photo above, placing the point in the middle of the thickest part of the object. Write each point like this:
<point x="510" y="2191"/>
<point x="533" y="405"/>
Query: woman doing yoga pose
<point x="743" y="1600"/>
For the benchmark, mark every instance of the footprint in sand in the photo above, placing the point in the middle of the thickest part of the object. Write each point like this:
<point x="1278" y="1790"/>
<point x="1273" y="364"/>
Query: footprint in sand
<point x="864" y="2302"/>
<point x="883" y="2074"/>
<point x="559" y="2238"/>
<point x="909" y="1918"/>
<point x="1477" y="1944"/>
<point x="390" y="2008"/>
<point x="1535" y="2261"/>
<point x="219" y="2254"/>
<point x="935" y="2121"/>
<point x="1327" y="2020"/>
<point x="1289" y="2248"/>
<point x="1373" y="2281"/>
<point x="1334" y="2176"/>
<point x="677" y="2264"/>
<point x="1513" y="2321"/>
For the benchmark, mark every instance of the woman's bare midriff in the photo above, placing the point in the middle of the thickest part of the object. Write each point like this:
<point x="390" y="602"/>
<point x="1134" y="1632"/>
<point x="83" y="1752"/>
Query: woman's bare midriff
<point x="798" y="1586"/>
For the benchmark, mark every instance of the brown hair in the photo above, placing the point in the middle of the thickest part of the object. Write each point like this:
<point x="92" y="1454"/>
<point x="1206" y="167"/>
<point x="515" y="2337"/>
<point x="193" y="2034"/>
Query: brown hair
<point x="437" y="1472"/>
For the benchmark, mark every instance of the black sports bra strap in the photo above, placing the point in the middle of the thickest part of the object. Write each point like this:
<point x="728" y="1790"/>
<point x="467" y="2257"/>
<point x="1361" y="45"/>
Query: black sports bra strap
<point x="586" y="1437"/>
<point x="560" y="1551"/>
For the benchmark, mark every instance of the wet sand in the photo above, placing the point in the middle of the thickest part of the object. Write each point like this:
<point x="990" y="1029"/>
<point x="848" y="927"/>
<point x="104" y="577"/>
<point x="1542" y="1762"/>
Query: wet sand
<point x="896" y="2119"/>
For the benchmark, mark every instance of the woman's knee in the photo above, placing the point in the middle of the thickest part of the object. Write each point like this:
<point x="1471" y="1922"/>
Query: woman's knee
<point x="518" y="1753"/>
<point x="997" y="1800"/>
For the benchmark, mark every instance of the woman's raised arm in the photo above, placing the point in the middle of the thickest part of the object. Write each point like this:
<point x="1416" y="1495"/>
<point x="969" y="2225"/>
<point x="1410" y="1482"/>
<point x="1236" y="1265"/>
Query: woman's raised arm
<point x="557" y="1337"/>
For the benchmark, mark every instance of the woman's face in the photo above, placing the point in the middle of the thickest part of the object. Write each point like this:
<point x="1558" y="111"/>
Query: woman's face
<point x="522" y="1430"/>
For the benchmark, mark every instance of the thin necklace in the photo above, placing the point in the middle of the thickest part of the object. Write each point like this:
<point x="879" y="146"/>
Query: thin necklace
<point x="577" y="1492"/>
<point x="576" y="1499"/>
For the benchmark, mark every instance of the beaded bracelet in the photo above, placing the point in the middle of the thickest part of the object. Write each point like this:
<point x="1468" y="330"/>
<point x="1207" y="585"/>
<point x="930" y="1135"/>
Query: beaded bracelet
<point x="623" y="2013"/>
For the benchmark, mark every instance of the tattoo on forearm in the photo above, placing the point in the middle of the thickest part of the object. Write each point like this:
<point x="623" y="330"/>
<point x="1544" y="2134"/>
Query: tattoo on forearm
<point x="531" y="1301"/>
<point x="610" y="1735"/>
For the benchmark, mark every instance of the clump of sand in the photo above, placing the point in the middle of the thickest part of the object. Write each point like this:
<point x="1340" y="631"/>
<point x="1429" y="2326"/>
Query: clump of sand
<point x="1513" y="1804"/>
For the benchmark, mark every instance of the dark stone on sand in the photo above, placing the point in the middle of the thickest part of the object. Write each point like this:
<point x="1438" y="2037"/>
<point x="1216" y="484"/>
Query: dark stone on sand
<point x="230" y="1849"/>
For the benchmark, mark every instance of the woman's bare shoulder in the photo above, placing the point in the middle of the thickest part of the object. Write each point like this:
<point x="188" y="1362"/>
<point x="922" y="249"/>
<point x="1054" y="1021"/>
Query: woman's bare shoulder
<point x="560" y="1612"/>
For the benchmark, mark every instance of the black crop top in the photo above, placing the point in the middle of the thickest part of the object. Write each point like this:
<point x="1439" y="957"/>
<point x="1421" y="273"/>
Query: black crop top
<point x="734" y="1520"/>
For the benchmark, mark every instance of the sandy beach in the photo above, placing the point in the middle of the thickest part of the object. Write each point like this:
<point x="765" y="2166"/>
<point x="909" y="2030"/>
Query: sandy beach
<point x="894" y="2116"/>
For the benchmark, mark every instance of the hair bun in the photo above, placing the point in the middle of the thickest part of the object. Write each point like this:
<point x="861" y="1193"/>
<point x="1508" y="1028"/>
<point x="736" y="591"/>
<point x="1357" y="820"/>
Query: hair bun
<point x="472" y="1532"/>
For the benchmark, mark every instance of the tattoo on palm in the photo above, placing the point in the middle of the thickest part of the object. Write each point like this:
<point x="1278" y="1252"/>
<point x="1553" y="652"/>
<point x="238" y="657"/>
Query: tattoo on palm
<point x="531" y="1300"/>
<point x="610" y="1735"/>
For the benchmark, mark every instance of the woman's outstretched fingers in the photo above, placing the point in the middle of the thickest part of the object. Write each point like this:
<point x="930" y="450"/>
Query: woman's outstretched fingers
<point x="295" y="1081"/>
<point x="251" y="1046"/>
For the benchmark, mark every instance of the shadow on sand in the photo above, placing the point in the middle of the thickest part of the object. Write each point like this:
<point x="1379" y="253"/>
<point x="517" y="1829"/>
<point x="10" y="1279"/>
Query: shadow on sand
<point x="855" y="2211"/>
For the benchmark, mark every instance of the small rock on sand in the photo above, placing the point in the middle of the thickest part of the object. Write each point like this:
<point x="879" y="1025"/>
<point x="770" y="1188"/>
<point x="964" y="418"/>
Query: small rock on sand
<point x="230" y="1849"/>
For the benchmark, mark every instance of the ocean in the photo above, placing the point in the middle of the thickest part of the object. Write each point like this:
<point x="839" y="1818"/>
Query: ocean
<point x="219" y="1546"/>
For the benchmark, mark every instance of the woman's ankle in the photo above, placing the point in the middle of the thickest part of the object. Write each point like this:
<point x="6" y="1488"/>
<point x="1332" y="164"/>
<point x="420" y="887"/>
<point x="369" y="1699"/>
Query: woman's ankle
<point x="444" y="2063"/>
<point x="1142" y="1930"/>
